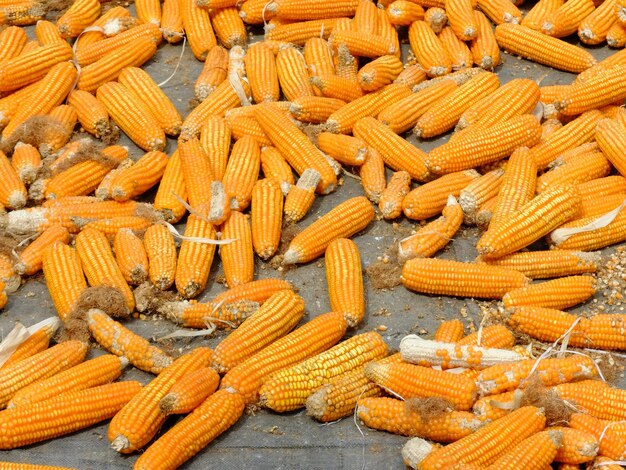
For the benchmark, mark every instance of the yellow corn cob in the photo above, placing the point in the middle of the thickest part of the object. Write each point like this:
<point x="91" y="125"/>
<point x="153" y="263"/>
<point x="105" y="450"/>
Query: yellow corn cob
<point x="582" y="168"/>
<point x="499" y="11"/>
<point x="484" y="46"/>
<point x="534" y="45"/>
<point x="362" y="44"/>
<point x="346" y="65"/>
<point x="594" y="27"/>
<point x="238" y="256"/>
<point x="390" y="203"/>
<point x="344" y="220"/>
<point x="411" y="76"/>
<point x="46" y="33"/>
<point x="372" y="174"/>
<point x="21" y="13"/>
<point x="50" y="92"/>
<point x="535" y="219"/>
<point x="115" y="21"/>
<point x="611" y="138"/>
<point x="585" y="96"/>
<point x="518" y="185"/>
<point x="300" y="32"/>
<point x="457" y="50"/>
<point x="30" y="46"/>
<point x="229" y="27"/>
<point x="444" y="114"/>
<point x="31" y="259"/>
<point x="594" y="397"/>
<point x="213" y="73"/>
<point x="404" y="12"/>
<point x="140" y="177"/>
<point x="12" y="190"/>
<point x="292" y="73"/>
<point x="212" y="4"/>
<point x="312" y="338"/>
<point x="12" y="41"/>
<point x="275" y="167"/>
<point x="190" y="391"/>
<point x="215" y="140"/>
<point x="591" y="240"/>
<point x="161" y="251"/>
<point x="312" y="10"/>
<point x="172" y="21"/>
<point x="577" y="447"/>
<point x="379" y="72"/>
<point x="443" y="277"/>
<point x="429" y="49"/>
<point x="366" y="17"/>
<point x="547" y="264"/>
<point x="461" y="19"/>
<point x="110" y="227"/>
<point x="266" y="215"/>
<point x="257" y="11"/>
<point x="610" y="439"/>
<point x="39" y="367"/>
<point x="345" y="280"/>
<point x="172" y="183"/>
<point x="535" y="452"/>
<point x="276" y="317"/>
<point x="66" y="118"/>
<point x="345" y="149"/>
<point x="149" y="11"/>
<point x="242" y="171"/>
<point x="99" y="264"/>
<point x="92" y="115"/>
<point x="484" y="145"/>
<point x="396" y="152"/>
<point x="599" y="205"/>
<point x="98" y="371"/>
<point x="616" y="35"/>
<point x="242" y="126"/>
<point x="479" y="191"/>
<point x="195" y="258"/>
<point x="131" y="256"/>
<point x="429" y="200"/>
<point x="335" y="86"/>
<point x="81" y="14"/>
<point x="38" y="341"/>
<point x="314" y="109"/>
<point x="64" y="414"/>
<point x="139" y="83"/>
<point x="487" y="409"/>
<point x="132" y="116"/>
<point x="550" y="126"/>
<point x="289" y="388"/>
<point x="198" y="29"/>
<point x="496" y="336"/>
<point x="300" y="197"/>
<point x="10" y="103"/>
<point x="114" y="337"/>
<point x="318" y="57"/>
<point x="262" y="74"/>
<point x="140" y="419"/>
<point x="449" y="331"/>
<point x="196" y="174"/>
<point x="566" y="19"/>
<point x="603" y="187"/>
<point x="537" y="15"/>
<point x="64" y="276"/>
<point x="8" y="276"/>
<point x="190" y="435"/>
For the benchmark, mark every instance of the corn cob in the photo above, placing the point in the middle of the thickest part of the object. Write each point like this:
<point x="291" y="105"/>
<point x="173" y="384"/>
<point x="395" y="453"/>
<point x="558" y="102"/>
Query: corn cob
<point x="140" y="419"/>
<point x="611" y="440"/>
<point x="262" y="73"/>
<point x="616" y="35"/>
<point x="496" y="336"/>
<point x="449" y="331"/>
<point x="362" y="44"/>
<point x="161" y="251"/>
<point x="366" y="17"/>
<point x="533" y="45"/>
<point x="266" y="215"/>
<point x="12" y="41"/>
<point x="594" y="27"/>
<point x="372" y="174"/>
<point x="99" y="264"/>
<point x="78" y="17"/>
<point x="457" y="50"/>
<point x="388" y="31"/>
<point x="92" y="115"/>
<point x="39" y="340"/>
<point x="10" y="103"/>
<point x="500" y="12"/>
<point x="229" y="27"/>
<point x="314" y="109"/>
<point x="238" y="256"/>
<point x="12" y="190"/>
<point x="300" y="32"/>
<point x="390" y="203"/>
<point x="318" y="57"/>
<point x="379" y="72"/>
<point x="594" y="397"/>
<point x="535" y="452"/>
<point x="566" y="19"/>
<point x="537" y="15"/>
<point x="242" y="171"/>
<point x="257" y="11"/>
<point x="172" y="21"/>
<point x="585" y="96"/>
<point x="131" y="257"/>
<point x="213" y="73"/>
<point x="295" y="146"/>
<point x="354" y="214"/>
<point x="398" y="417"/>
<point x="219" y="412"/>
<point x="484" y="145"/>
<point x="197" y="174"/>
<point x="345" y="149"/>
<point x="273" y="320"/>
<point x="611" y="138"/>
<point x="577" y="447"/>
<point x="462" y="279"/>
<point x="46" y="33"/>
<point x="334" y="86"/>
<point x="404" y="12"/>
<point x="64" y="276"/>
<point x="547" y="264"/>
<point x="292" y="73"/>
<point x="488" y="409"/>
<point x="275" y="167"/>
<point x="289" y="388"/>
<point x="190" y="391"/>
<point x="580" y="169"/>
<point x="557" y="294"/>
<point x="429" y="49"/>
<point x="484" y="47"/>
<point x="590" y="240"/>
<point x="429" y="200"/>
<point x="198" y="29"/>
<point x="115" y="21"/>
<point x="444" y="114"/>
<point x="479" y="191"/>
<point x="109" y="227"/>
<point x="600" y="205"/>
<point x="98" y="371"/>
<point x="39" y="366"/>
<point x="550" y="126"/>
<point x="300" y="197"/>
<point x="172" y="183"/>
<point x="65" y="117"/>
<point x="8" y="275"/>
<point x="535" y="219"/>
<point x="603" y="187"/>
<point x="215" y="140"/>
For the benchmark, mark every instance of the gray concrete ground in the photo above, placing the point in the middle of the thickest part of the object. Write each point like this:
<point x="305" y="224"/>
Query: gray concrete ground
<point x="267" y="440"/>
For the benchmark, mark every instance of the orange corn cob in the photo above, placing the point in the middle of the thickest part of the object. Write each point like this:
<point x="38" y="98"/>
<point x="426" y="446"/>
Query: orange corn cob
<point x="388" y="414"/>
<point x="594" y="27"/>
<point x="611" y="138"/>
<point x="299" y="32"/>
<point x="266" y="215"/>
<point x="436" y="18"/>
<point x="140" y="419"/>
<point x="79" y="16"/>
<point x="496" y="336"/>
<point x="39" y="367"/>
<point x="46" y="33"/>
<point x="600" y="332"/>
<point x="484" y="46"/>
<point x="92" y="115"/>
<point x="488" y="409"/>
<point x="190" y="435"/>
<point x="456" y="49"/>
<point x="132" y="116"/>
<point x="115" y="21"/>
<point x="585" y="95"/>
<point x="295" y="146"/>
<point x="411" y="76"/>
<point x="110" y="227"/>
<point x="161" y="251"/>
<point x="616" y="35"/>
<point x="461" y="19"/>
<point x="63" y="272"/>
<point x="214" y="72"/>
<point x="10" y="104"/>
<point x="534" y="45"/>
<point x="242" y="171"/>
<point x="238" y="256"/>
<point x="411" y="381"/>
<point x="198" y="29"/>
<point x="149" y="11"/>
<point x="505" y="377"/>
<point x="577" y="447"/>
<point x="535" y="219"/>
<point x="558" y="294"/>
<point x="313" y="338"/>
<point x="37" y="342"/>
<point x="449" y="331"/>
<point x="379" y="72"/>
<point x="547" y="264"/>
<point x="242" y="126"/>
<point x="461" y="279"/>
<point x="591" y="240"/>
<point x="594" y="397"/>
<point x="26" y="162"/>
<point x="335" y="86"/>
<point x="550" y="126"/>
<point x="8" y="276"/>
<point x="12" y="41"/>
<point x="288" y="389"/>
<point x="172" y="183"/>
<point x="372" y="174"/>
<point x="366" y="17"/>
<point x="343" y="221"/>
<point x="229" y="27"/>
<point x="195" y="258"/>
<point x="345" y="280"/>
<point x="500" y="12"/>
<point x="579" y="169"/>
<point x="537" y="15"/>
<point x="65" y="117"/>
<point x="566" y="19"/>
<point x="190" y="391"/>
<point x="292" y="73"/>
<point x="114" y="337"/>
<point x="535" y="452"/>
<point x="396" y="152"/>
<point x="429" y="49"/>
<point x="300" y="197"/>
<point x="429" y="199"/>
<point x="486" y="444"/>
<point x="432" y="237"/>
<point x="444" y="114"/>
<point x="215" y="140"/>
<point x="137" y="179"/>
<point x="99" y="264"/>
<point x="141" y="85"/>
<point x="275" y="167"/>
<point x="109" y="66"/>
<point x="611" y="440"/>
<point x="403" y="114"/>
<point x="345" y="149"/>
<point x="479" y="191"/>
<point x="310" y="10"/>
<point x="32" y="66"/>
<point x="131" y="257"/>
<point x="197" y="174"/>
<point x="172" y="21"/>
<point x="518" y="185"/>
<point x="363" y="44"/>
<point x="404" y="12"/>
<point x="64" y="414"/>
<point x="314" y="109"/>
<point x="257" y="11"/>
<point x="390" y="203"/>
<point x="600" y="205"/>
<point x="98" y="371"/>
<point x="276" y="317"/>
<point x="603" y="187"/>
<point x="262" y="73"/>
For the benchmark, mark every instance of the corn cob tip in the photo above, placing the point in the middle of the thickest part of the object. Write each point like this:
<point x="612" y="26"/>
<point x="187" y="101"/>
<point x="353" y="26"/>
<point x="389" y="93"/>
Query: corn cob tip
<point x="316" y="404"/>
<point x="120" y="444"/>
<point x="291" y="256"/>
